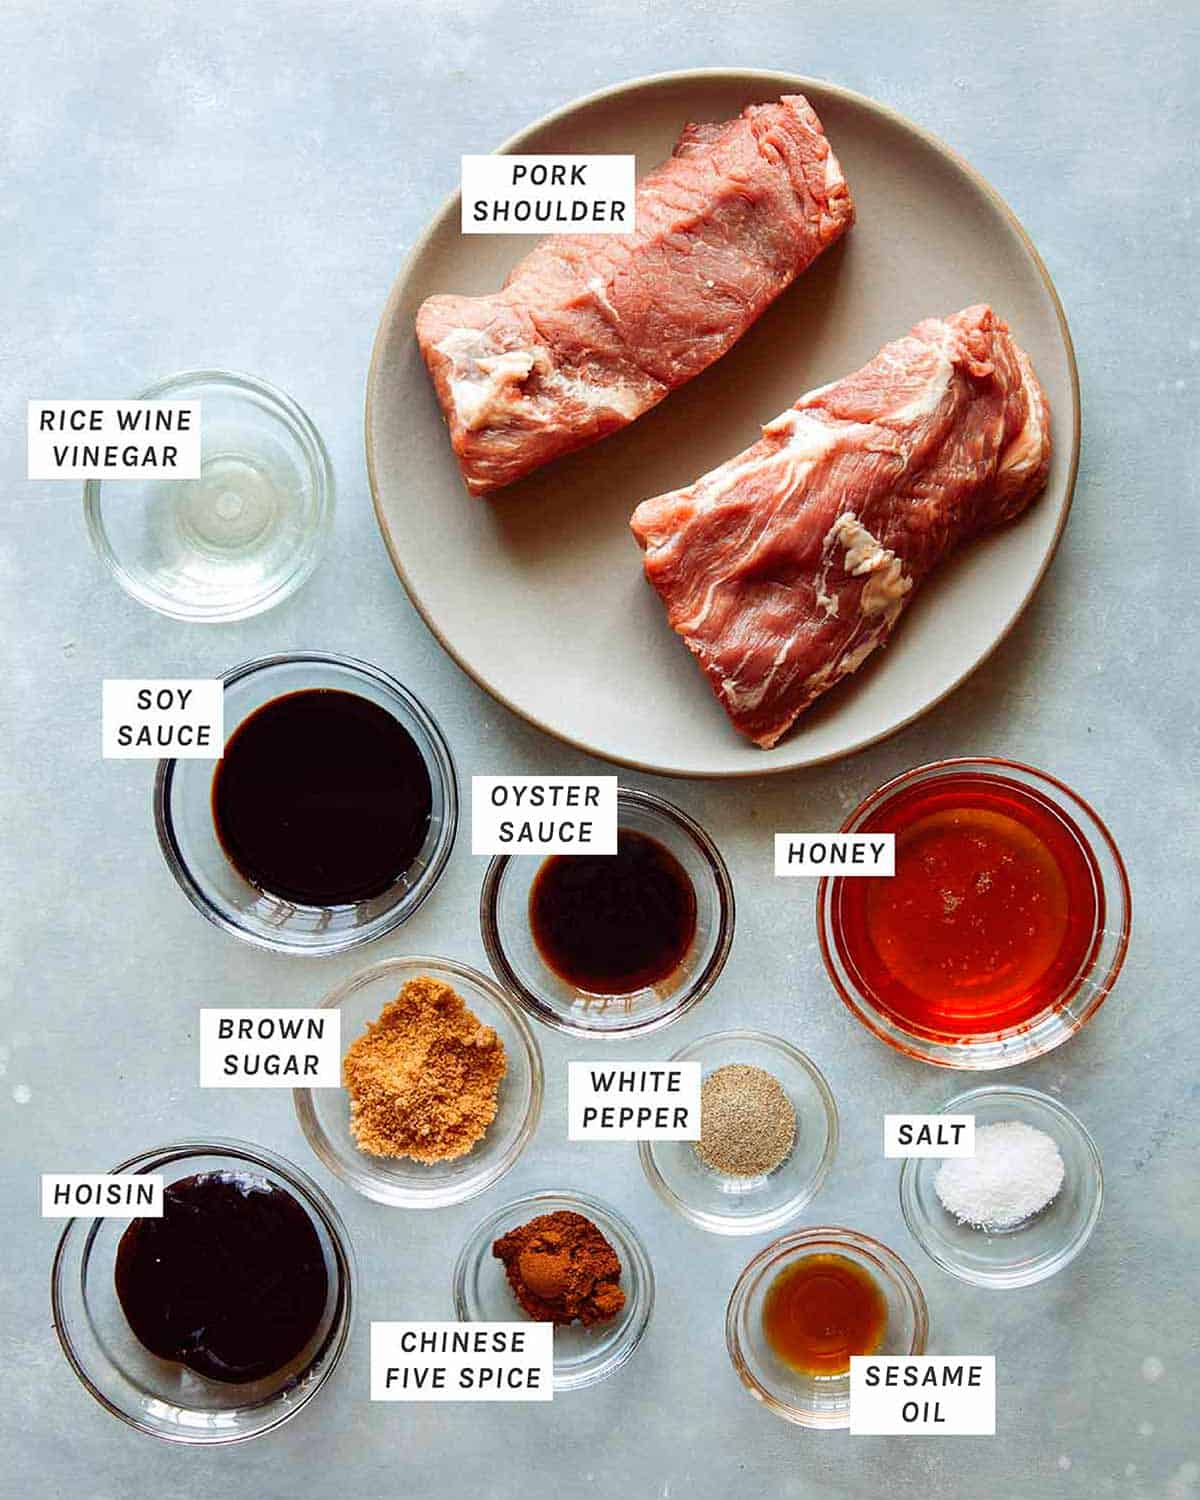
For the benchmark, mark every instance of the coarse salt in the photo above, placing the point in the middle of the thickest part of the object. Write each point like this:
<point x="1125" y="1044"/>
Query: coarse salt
<point x="1015" y="1172"/>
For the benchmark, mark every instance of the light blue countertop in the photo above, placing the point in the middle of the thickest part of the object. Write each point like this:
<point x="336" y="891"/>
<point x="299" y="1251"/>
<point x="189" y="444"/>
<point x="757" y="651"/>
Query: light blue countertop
<point x="235" y="185"/>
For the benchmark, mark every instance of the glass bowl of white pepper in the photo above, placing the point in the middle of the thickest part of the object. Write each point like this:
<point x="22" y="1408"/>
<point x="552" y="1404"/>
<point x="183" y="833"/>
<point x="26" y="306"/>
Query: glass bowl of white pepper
<point x="768" y="1136"/>
<point x="1019" y="1209"/>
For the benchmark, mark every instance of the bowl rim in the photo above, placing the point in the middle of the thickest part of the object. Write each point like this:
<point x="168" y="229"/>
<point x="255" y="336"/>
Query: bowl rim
<point x="726" y="919"/>
<point x="324" y="494"/>
<point x="433" y="1197"/>
<point x="639" y="1317"/>
<point x="818" y="1237"/>
<point x="441" y="768"/>
<point x="762" y="1223"/>
<point x="965" y="1055"/>
<point x="1053" y="1263"/>
<point x="315" y="1200"/>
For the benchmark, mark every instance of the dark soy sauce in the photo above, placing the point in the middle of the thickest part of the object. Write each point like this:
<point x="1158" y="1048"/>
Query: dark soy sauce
<point x="611" y="924"/>
<point x="322" y="798"/>
<point x="230" y="1282"/>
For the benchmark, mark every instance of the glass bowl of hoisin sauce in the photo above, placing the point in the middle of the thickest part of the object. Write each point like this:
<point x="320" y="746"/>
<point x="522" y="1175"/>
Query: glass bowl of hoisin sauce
<point x="330" y="816"/>
<point x="1003" y="928"/>
<point x="613" y="945"/>
<point x="222" y="1319"/>
<point x="809" y="1302"/>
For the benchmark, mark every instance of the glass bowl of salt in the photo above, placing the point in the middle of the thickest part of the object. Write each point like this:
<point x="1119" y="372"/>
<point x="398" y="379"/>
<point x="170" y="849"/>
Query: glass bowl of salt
<point x="1019" y="1210"/>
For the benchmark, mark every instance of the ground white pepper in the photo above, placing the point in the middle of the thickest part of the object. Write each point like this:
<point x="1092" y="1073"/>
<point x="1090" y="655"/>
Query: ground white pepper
<point x="747" y="1123"/>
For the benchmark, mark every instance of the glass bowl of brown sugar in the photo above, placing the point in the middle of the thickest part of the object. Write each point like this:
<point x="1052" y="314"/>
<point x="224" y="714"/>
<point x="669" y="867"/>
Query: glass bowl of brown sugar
<point x="403" y="1019"/>
<point x="582" y="1355"/>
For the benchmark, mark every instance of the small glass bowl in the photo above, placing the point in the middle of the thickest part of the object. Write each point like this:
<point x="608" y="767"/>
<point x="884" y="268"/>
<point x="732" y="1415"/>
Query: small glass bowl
<point x="1038" y="1247"/>
<point x="817" y="1400"/>
<point x="163" y="1398"/>
<point x="582" y="1356"/>
<point x="750" y="1205"/>
<point x="1064" y="1016"/>
<point x="242" y="537"/>
<point x="514" y="956"/>
<point x="188" y="838"/>
<point x="324" y="1114"/>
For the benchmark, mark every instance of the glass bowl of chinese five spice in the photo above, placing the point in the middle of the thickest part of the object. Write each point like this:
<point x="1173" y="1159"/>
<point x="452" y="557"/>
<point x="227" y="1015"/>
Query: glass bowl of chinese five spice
<point x="613" y="945"/>
<point x="1023" y="1207"/>
<point x="805" y="1305"/>
<point x="583" y="1354"/>
<point x="329" y="818"/>
<point x="1003" y="928"/>
<point x="266" y="1259"/>
<point x="769" y="1136"/>
<point x="443" y="1083"/>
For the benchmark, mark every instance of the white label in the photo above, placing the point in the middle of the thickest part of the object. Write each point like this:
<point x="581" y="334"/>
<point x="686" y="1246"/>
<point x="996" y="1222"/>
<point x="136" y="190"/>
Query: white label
<point x="152" y="718"/>
<point x="929" y="1135"/>
<point x="113" y="439"/>
<point x="612" y="1101"/>
<point x="933" y="1394"/>
<point x="548" y="194"/>
<point x="462" y="1361"/>
<point x="101" y="1195"/>
<point x="270" y="1049"/>
<point x="835" y="854"/>
<point x="543" y="814"/>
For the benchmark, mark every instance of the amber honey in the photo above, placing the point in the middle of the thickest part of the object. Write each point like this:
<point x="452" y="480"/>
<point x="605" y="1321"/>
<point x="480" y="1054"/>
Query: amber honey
<point x="992" y="916"/>
<point x="822" y="1309"/>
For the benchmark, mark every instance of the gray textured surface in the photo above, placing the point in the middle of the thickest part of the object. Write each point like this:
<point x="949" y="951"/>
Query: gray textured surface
<point x="235" y="185"/>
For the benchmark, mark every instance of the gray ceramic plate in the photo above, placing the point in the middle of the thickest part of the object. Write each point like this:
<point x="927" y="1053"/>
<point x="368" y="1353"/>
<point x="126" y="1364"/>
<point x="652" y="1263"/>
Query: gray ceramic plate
<point x="539" y="594"/>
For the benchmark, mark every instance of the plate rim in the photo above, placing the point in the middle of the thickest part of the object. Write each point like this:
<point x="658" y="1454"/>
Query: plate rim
<point x="798" y="83"/>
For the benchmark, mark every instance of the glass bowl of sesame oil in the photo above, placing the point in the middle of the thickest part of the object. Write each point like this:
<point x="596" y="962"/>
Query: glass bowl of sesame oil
<point x="1003" y="928"/>
<point x="244" y="535"/>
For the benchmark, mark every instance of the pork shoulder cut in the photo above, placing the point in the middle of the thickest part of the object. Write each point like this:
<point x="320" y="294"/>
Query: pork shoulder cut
<point x="787" y="566"/>
<point x="590" y="331"/>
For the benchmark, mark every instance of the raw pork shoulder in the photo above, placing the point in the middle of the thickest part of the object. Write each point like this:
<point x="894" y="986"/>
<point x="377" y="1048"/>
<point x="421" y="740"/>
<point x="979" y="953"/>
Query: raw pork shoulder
<point x="784" y="568"/>
<point x="590" y="331"/>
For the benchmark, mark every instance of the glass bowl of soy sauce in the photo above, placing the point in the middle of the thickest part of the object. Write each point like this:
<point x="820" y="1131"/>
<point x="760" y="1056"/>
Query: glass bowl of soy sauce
<point x="330" y="816"/>
<point x="613" y="945"/>
<point x="267" y="1339"/>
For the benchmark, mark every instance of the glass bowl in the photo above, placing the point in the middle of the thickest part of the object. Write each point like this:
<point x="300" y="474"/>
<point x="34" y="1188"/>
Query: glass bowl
<point x="1036" y="1248"/>
<point x="513" y="954"/>
<point x="750" y="1205"/>
<point x="193" y="852"/>
<point x="582" y="1356"/>
<point x="163" y="1398"/>
<point x="1068" y="1011"/>
<point x="242" y="537"/>
<point x="324" y="1114"/>
<point x="817" y="1400"/>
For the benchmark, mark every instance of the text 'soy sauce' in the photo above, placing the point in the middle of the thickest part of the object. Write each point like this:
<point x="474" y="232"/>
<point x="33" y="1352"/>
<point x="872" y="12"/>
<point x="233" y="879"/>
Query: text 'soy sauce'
<point x="992" y="915"/>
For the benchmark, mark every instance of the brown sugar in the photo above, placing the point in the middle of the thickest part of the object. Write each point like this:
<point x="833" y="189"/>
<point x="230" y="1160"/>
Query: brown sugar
<point x="423" y="1078"/>
<point x="561" y="1268"/>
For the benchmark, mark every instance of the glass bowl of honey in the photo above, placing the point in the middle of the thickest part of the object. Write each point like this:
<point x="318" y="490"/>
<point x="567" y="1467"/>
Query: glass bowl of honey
<point x="613" y="945"/>
<point x="1003" y="928"/>
<point x="808" y="1303"/>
